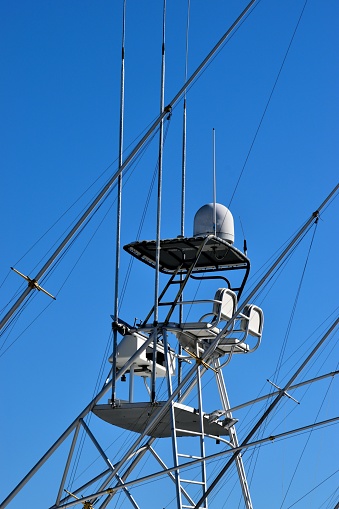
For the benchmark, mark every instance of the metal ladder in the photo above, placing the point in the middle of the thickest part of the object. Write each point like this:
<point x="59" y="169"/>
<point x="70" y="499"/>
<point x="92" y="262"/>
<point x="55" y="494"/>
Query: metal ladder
<point x="201" y="437"/>
<point x="183" y="484"/>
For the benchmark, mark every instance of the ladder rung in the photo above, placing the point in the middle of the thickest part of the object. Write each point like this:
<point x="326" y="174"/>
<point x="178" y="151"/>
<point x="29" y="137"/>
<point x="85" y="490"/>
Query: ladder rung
<point x="191" y="506"/>
<point x="190" y="456"/>
<point x="192" y="482"/>
<point x="191" y="433"/>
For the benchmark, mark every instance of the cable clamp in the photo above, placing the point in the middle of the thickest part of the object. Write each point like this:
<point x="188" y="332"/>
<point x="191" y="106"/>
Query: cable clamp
<point x="168" y="109"/>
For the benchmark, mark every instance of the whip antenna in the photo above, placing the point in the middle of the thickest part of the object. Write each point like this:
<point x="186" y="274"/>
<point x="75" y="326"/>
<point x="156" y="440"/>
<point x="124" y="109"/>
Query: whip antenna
<point x="214" y="187"/>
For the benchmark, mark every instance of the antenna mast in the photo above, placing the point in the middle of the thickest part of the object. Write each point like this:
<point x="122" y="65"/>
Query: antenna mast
<point x="118" y="236"/>
<point x="214" y="187"/>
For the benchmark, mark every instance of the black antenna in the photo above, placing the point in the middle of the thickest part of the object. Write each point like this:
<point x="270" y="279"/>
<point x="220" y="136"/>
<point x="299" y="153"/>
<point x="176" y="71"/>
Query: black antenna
<point x="243" y="233"/>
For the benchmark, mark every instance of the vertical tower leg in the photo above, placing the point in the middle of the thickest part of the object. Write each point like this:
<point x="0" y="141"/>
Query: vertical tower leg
<point x="233" y="436"/>
<point x="173" y="426"/>
<point x="202" y="436"/>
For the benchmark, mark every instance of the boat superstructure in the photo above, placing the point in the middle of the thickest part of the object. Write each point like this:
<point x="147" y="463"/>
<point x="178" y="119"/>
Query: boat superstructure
<point x="178" y="351"/>
<point x="167" y="425"/>
<point x="147" y="351"/>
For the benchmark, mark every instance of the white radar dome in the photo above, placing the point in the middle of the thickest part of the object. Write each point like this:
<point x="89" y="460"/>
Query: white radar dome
<point x="204" y="222"/>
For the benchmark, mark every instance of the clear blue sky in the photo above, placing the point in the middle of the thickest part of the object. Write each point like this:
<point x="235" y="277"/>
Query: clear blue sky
<point x="60" y="67"/>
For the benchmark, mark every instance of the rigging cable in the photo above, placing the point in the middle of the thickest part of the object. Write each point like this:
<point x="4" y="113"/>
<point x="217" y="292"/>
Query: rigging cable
<point x="307" y="350"/>
<point x="11" y="324"/>
<point x="268" y="102"/>
<point x="262" y="430"/>
<point x="23" y="285"/>
<point x="308" y="388"/>
<point x="253" y="280"/>
<point x="53" y="225"/>
<point x="81" y="221"/>
<point x="306" y="444"/>
<point x="313" y="489"/>
<point x="14" y="296"/>
<point x="249" y="9"/>
<point x="63" y="254"/>
<point x="132" y="143"/>
<point x="72" y="476"/>
<point x="278" y="270"/>
<point x="289" y="326"/>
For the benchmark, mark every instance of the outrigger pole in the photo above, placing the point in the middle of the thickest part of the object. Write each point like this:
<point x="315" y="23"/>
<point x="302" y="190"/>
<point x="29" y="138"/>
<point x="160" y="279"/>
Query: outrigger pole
<point x="209" y="352"/>
<point x="35" y="281"/>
